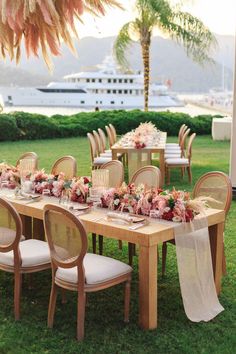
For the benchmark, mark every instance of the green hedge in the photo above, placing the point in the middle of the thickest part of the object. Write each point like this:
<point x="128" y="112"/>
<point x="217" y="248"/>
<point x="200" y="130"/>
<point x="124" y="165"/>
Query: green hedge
<point x="21" y="125"/>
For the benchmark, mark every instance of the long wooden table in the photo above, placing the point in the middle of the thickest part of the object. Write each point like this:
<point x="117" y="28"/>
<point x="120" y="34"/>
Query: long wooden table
<point x="147" y="237"/>
<point x="117" y="148"/>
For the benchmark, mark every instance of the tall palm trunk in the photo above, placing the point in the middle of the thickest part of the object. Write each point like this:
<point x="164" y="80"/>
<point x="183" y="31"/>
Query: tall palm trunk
<point x="146" y="67"/>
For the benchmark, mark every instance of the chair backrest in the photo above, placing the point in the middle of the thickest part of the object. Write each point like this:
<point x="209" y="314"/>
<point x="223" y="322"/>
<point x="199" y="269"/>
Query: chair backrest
<point x="110" y="136"/>
<point x="102" y="139"/>
<point x="10" y="229"/>
<point x="28" y="155"/>
<point x="216" y="185"/>
<point x="66" y="237"/>
<point x="183" y="140"/>
<point x="150" y="176"/>
<point x="98" y="141"/>
<point x="116" y="173"/>
<point x="113" y="132"/>
<point x="189" y="147"/>
<point x="67" y="165"/>
<point x="93" y="146"/>
<point x="182" y="129"/>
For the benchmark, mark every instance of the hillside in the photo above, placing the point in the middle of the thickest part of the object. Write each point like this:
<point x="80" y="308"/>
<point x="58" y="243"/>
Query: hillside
<point x="168" y="61"/>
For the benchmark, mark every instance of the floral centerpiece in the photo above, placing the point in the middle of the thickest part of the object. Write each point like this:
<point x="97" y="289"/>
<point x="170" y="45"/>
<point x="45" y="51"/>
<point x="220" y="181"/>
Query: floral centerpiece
<point x="157" y="203"/>
<point x="9" y="175"/>
<point x="146" y="134"/>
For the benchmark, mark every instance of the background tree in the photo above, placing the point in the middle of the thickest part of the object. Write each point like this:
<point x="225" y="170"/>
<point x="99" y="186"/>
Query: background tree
<point x="187" y="30"/>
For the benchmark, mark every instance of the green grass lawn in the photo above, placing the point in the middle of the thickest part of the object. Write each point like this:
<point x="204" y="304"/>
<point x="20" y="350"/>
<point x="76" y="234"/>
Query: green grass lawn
<point x="104" y="330"/>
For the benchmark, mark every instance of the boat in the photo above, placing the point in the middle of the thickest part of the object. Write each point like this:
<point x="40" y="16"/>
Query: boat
<point x="106" y="88"/>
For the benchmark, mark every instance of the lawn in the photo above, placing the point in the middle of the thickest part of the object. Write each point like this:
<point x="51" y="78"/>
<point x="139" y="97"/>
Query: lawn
<point x="104" y="329"/>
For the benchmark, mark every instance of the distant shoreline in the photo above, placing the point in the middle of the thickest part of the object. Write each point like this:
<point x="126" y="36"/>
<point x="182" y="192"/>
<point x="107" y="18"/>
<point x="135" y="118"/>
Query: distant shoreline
<point x="191" y="109"/>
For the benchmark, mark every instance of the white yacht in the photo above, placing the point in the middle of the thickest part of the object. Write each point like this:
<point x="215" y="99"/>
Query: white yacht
<point x="105" y="88"/>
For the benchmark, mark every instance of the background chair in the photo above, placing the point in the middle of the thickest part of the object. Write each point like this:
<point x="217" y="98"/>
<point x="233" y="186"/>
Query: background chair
<point x="30" y="156"/>
<point x="178" y="151"/>
<point x="110" y="135"/>
<point x="113" y="132"/>
<point x="74" y="269"/>
<point x="181" y="162"/>
<point x="103" y="140"/>
<point x="216" y="185"/>
<point x="99" y="145"/>
<point x="116" y="178"/>
<point x="96" y="160"/>
<point x="18" y="257"/>
<point x="182" y="130"/>
<point x="150" y="176"/>
<point x="67" y="165"/>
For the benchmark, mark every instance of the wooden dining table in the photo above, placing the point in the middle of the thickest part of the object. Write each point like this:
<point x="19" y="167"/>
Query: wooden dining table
<point x="147" y="238"/>
<point x="143" y="156"/>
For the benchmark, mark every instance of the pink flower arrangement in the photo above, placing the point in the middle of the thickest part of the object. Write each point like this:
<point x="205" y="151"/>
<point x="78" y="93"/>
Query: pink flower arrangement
<point x="9" y="175"/>
<point x="80" y="189"/>
<point x="168" y="205"/>
<point x="146" y="134"/>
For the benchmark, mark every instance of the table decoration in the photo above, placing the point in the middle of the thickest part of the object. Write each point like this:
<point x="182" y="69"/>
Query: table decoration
<point x="146" y="134"/>
<point x="169" y="205"/>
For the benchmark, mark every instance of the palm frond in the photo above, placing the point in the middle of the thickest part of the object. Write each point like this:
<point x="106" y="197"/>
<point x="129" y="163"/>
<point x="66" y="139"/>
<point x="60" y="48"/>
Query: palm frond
<point x="195" y="37"/>
<point x="122" y="42"/>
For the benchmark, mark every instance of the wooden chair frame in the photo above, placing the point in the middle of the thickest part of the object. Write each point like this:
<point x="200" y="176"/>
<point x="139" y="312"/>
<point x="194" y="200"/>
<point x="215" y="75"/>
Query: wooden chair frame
<point x="113" y="132"/>
<point x="28" y="155"/>
<point x="17" y="268"/>
<point x="110" y="136"/>
<point x="65" y="158"/>
<point x="102" y="139"/>
<point x="155" y="170"/>
<point x="105" y="166"/>
<point x="195" y="194"/>
<point x="182" y="166"/>
<point x="81" y="287"/>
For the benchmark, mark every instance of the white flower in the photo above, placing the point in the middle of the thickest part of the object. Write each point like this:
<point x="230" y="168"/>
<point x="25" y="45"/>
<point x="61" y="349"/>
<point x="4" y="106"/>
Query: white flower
<point x="176" y="219"/>
<point x="116" y="201"/>
<point x="166" y="210"/>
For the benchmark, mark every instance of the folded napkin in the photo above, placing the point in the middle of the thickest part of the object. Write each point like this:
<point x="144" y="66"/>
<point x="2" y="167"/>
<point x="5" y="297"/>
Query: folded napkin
<point x="119" y="216"/>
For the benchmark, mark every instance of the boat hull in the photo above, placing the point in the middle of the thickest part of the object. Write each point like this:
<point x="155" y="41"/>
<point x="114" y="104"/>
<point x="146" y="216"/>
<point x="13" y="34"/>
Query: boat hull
<point x="34" y="97"/>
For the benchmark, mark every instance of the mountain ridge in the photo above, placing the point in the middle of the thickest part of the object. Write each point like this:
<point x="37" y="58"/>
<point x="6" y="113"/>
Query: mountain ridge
<point x="168" y="61"/>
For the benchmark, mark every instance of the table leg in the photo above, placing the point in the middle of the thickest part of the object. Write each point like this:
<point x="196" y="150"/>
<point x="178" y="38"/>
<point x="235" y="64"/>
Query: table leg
<point x="114" y="155"/>
<point x="216" y="242"/>
<point x="162" y="167"/>
<point x="38" y="230"/>
<point x="148" y="287"/>
<point x="27" y="226"/>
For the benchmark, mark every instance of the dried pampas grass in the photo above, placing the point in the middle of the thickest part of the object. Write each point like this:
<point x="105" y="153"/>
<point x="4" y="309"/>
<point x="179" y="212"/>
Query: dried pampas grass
<point x="43" y="23"/>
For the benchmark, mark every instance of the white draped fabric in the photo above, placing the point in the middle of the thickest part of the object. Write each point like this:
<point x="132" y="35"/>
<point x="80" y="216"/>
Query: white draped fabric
<point x="195" y="271"/>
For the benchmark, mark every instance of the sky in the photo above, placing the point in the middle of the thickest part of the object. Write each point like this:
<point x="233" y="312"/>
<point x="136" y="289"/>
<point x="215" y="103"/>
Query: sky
<point x="218" y="15"/>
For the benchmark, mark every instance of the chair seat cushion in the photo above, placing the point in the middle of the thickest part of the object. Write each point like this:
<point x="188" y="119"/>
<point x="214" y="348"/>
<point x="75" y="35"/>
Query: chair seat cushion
<point x="177" y="161"/>
<point x="7" y="236"/>
<point x="101" y="160"/>
<point x="172" y="156"/>
<point x="98" y="269"/>
<point x="33" y="253"/>
<point x="171" y="145"/>
<point x="105" y="154"/>
<point x="177" y="148"/>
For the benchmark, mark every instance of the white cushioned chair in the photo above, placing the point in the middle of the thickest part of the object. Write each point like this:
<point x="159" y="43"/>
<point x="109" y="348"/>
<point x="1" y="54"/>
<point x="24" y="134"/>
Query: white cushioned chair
<point x="181" y="162"/>
<point x="19" y="257"/>
<point x="75" y="269"/>
<point x="96" y="160"/>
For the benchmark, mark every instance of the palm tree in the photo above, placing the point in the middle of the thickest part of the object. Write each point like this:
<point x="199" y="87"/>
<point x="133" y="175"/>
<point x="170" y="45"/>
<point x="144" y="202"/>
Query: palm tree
<point x="181" y="26"/>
